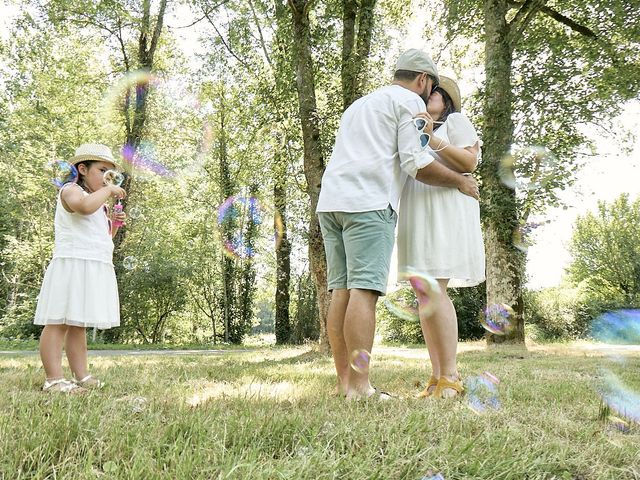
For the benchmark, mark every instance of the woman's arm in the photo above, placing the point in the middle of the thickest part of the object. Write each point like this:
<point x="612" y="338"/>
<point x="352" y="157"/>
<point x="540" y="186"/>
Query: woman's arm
<point x="74" y="199"/>
<point x="462" y="160"/>
<point x="459" y="159"/>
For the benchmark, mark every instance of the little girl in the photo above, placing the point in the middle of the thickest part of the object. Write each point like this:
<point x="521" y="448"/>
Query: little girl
<point x="79" y="289"/>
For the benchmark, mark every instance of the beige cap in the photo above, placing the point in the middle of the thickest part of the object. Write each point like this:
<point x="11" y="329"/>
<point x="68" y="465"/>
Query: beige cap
<point x="415" y="60"/>
<point x="93" y="151"/>
<point x="450" y="86"/>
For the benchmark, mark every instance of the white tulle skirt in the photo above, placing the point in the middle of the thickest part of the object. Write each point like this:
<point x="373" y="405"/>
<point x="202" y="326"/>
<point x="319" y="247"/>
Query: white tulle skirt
<point x="81" y="293"/>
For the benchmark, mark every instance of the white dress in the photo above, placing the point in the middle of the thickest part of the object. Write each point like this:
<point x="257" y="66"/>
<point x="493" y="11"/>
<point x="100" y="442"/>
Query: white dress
<point x="79" y="287"/>
<point x="439" y="230"/>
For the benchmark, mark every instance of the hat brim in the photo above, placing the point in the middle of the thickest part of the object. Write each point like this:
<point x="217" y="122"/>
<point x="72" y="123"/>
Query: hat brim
<point x="451" y="87"/>
<point x="81" y="158"/>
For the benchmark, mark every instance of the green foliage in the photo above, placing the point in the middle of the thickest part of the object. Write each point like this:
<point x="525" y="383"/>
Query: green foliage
<point x="551" y="312"/>
<point x="305" y="321"/>
<point x="469" y="303"/>
<point x="606" y="249"/>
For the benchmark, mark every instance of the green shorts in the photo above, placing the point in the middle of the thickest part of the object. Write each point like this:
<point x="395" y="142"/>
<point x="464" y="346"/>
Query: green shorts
<point x="358" y="248"/>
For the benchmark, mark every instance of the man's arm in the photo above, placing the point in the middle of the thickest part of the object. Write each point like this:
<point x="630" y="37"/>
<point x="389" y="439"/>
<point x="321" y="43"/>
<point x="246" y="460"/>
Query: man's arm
<point x="438" y="175"/>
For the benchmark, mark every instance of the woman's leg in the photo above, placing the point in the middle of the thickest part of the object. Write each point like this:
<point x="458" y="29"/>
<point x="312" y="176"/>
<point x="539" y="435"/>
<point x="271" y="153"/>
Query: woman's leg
<point x="76" y="348"/>
<point x="442" y="327"/>
<point x="432" y="347"/>
<point x="51" y="341"/>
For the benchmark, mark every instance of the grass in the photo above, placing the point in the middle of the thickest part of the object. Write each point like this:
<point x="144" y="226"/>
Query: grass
<point x="269" y="414"/>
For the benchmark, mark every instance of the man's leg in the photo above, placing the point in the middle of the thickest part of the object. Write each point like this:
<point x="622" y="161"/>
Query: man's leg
<point x="331" y="226"/>
<point x="335" y="330"/>
<point x="359" y="330"/>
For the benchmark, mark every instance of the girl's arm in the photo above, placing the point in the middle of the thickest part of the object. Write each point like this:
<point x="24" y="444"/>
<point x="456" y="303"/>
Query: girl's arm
<point x="462" y="160"/>
<point x="74" y="199"/>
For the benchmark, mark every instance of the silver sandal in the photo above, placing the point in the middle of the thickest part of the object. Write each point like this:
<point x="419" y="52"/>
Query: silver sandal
<point x="89" y="382"/>
<point x="63" y="386"/>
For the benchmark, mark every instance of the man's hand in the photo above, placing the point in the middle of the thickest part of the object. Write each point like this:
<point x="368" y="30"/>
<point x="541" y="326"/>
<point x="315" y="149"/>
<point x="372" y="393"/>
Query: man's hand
<point x="469" y="186"/>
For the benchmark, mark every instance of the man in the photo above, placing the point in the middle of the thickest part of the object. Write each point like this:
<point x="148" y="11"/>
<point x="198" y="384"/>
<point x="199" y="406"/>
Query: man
<point x="376" y="148"/>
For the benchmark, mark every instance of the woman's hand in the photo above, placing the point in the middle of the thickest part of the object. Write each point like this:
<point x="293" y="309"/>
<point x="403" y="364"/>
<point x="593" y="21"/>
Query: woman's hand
<point x="428" y="128"/>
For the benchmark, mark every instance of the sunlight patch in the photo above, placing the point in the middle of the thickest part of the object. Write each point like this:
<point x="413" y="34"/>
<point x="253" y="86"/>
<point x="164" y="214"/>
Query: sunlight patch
<point x="280" y="391"/>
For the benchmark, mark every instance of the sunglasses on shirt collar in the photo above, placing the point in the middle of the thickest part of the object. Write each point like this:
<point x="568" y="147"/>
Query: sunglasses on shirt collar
<point x="420" y="123"/>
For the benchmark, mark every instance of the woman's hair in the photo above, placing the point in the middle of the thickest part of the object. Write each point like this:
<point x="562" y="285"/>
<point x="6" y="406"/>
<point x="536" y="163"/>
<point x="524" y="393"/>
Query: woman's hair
<point x="88" y="164"/>
<point x="448" y="104"/>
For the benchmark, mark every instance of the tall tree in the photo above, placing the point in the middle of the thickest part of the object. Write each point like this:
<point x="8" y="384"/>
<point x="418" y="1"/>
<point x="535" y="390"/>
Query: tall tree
<point x="314" y="164"/>
<point x="547" y="70"/>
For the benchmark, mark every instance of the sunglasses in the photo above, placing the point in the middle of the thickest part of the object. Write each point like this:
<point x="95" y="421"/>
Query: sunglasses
<point x="420" y="123"/>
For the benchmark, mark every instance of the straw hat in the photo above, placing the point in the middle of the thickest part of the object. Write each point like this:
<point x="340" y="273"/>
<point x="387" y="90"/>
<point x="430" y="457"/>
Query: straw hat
<point x="450" y="86"/>
<point x="93" y="151"/>
<point x="415" y="60"/>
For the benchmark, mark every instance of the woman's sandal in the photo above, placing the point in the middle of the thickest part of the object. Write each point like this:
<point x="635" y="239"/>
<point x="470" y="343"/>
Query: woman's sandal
<point x="89" y="382"/>
<point x="63" y="386"/>
<point x="444" y="383"/>
<point x="429" y="389"/>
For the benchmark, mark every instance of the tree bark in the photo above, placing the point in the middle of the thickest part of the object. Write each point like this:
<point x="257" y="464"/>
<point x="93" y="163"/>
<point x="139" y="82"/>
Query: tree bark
<point x="313" y="159"/>
<point x="283" y="252"/>
<point x="505" y="263"/>
<point x="357" y="30"/>
<point x="146" y="53"/>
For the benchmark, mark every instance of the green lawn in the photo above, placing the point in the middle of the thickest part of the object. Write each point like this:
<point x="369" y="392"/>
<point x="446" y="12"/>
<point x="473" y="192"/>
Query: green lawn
<point x="270" y="414"/>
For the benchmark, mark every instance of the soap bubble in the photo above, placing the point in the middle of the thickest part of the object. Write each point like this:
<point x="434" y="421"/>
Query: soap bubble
<point x="245" y="222"/>
<point x="498" y="318"/>
<point x="61" y="172"/>
<point x="113" y="177"/>
<point x="482" y="393"/>
<point x="359" y="360"/>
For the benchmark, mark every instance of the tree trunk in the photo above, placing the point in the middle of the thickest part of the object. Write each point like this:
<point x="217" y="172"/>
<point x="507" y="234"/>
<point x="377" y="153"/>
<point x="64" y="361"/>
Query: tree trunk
<point x="356" y="46"/>
<point x="146" y="53"/>
<point x="313" y="159"/>
<point x="505" y="263"/>
<point x="283" y="252"/>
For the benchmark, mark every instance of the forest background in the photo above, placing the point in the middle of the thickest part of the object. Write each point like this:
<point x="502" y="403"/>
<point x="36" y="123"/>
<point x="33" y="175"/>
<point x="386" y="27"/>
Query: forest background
<point x="211" y="101"/>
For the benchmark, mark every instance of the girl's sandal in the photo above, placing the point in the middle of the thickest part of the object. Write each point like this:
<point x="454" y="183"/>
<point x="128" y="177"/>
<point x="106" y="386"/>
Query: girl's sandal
<point x="444" y="383"/>
<point x="429" y="389"/>
<point x="89" y="382"/>
<point x="63" y="386"/>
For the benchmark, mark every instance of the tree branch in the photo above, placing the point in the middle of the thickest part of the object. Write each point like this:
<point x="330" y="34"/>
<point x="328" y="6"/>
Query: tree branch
<point x="227" y="46"/>
<point x="522" y="19"/>
<point x="576" y="27"/>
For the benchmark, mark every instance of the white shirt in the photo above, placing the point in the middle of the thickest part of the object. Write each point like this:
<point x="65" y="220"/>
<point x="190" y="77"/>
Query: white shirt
<point x="377" y="147"/>
<point x="87" y="237"/>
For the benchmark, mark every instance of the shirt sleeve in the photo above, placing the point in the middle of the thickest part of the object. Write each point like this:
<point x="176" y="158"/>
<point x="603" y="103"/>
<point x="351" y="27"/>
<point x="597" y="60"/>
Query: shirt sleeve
<point x="461" y="131"/>
<point x="412" y="156"/>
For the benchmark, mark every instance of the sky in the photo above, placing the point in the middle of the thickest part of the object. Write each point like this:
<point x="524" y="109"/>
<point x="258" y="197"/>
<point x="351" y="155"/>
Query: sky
<point x="603" y="177"/>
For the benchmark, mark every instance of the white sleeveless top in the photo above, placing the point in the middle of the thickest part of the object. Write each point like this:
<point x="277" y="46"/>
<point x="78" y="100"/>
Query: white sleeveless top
<point x="86" y="237"/>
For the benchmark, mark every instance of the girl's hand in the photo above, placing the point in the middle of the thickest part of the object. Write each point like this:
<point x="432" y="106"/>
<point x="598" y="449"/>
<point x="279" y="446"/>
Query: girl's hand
<point x="117" y="192"/>
<point x="428" y="128"/>
<point x="119" y="216"/>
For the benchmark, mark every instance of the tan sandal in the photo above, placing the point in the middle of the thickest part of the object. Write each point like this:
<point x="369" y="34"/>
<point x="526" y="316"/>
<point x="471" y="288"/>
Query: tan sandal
<point x="444" y="383"/>
<point x="89" y="382"/>
<point x="62" y="385"/>
<point x="429" y="389"/>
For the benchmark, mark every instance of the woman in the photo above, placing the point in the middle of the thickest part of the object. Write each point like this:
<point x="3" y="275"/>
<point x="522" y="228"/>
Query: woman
<point x="439" y="234"/>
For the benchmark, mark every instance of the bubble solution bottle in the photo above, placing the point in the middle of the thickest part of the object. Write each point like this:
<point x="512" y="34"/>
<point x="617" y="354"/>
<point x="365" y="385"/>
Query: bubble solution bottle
<point x="117" y="208"/>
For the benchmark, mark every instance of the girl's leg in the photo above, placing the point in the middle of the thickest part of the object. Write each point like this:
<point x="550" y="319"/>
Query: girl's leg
<point x="76" y="348"/>
<point x="51" y="341"/>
